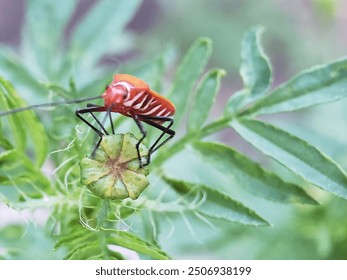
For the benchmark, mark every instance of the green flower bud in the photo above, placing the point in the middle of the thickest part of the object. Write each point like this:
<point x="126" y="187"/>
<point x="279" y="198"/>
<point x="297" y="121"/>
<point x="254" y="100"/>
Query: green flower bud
<point x="115" y="172"/>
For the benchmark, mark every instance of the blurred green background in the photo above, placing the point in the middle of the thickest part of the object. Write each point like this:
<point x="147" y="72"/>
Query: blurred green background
<point x="299" y="34"/>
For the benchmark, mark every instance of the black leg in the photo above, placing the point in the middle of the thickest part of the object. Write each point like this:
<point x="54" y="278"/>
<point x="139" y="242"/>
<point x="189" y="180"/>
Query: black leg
<point x="90" y="110"/>
<point x="108" y="113"/>
<point x="152" y="120"/>
<point x="144" y="133"/>
<point x="165" y="130"/>
<point x="111" y="121"/>
<point x="92" y="105"/>
<point x="99" y="123"/>
<point x="96" y="146"/>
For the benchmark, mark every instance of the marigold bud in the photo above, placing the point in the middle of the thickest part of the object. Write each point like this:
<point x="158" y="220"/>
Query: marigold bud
<point x="115" y="172"/>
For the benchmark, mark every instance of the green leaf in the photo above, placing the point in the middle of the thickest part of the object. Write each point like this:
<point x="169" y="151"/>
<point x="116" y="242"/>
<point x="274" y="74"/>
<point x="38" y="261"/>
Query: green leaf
<point x="15" y="121"/>
<point x="188" y="72"/>
<point x="4" y="143"/>
<point x="295" y="154"/>
<point x="205" y="97"/>
<point x="255" y="68"/>
<point x="43" y="32"/>
<point x="17" y="168"/>
<point x="13" y="69"/>
<point x="100" y="30"/>
<point x="85" y="244"/>
<point x="130" y="241"/>
<point x="151" y="70"/>
<point x="83" y="251"/>
<point x="321" y="84"/>
<point x="24" y="123"/>
<point x="250" y="175"/>
<point x="235" y="103"/>
<point x="115" y="255"/>
<point x="217" y="205"/>
<point x="73" y="238"/>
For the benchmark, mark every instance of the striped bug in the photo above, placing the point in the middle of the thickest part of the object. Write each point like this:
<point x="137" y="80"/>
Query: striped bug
<point x="131" y="97"/>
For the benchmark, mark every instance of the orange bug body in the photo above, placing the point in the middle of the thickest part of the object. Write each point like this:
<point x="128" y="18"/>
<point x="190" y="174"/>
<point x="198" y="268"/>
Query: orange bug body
<point x="131" y="97"/>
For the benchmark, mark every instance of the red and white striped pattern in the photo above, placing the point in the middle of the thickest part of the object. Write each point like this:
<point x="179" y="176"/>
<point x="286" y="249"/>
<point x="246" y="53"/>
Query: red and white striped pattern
<point x="145" y="103"/>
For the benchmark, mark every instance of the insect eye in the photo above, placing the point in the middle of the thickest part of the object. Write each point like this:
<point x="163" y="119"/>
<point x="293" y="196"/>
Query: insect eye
<point x="106" y="87"/>
<point x="125" y="94"/>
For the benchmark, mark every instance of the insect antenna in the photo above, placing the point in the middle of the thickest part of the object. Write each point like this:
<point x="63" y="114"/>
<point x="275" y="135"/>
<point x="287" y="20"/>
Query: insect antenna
<point x="52" y="104"/>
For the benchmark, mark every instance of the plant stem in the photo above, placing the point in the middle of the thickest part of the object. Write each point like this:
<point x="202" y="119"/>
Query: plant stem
<point x="211" y="128"/>
<point x="215" y="126"/>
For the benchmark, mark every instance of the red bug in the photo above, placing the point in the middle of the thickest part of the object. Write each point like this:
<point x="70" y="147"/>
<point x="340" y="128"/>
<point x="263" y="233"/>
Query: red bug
<point x="131" y="97"/>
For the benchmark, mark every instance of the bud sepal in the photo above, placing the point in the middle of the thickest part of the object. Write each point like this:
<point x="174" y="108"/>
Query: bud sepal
<point x="114" y="172"/>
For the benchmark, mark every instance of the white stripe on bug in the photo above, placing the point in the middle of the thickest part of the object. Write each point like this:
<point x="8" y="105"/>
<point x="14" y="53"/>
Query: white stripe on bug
<point x="153" y="110"/>
<point x="161" y="112"/>
<point x="138" y="106"/>
<point x="131" y="102"/>
<point x="167" y="114"/>
<point x="147" y="105"/>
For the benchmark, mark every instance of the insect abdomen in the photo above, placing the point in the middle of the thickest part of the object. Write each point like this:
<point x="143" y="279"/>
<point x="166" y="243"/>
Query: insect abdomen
<point x="146" y="103"/>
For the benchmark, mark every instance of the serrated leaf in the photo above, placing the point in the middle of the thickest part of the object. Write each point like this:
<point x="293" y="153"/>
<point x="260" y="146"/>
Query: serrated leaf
<point x="24" y="123"/>
<point x="16" y="124"/>
<point x="100" y="29"/>
<point x="204" y="99"/>
<point x="250" y="175"/>
<point x="85" y="244"/>
<point x="255" y="71"/>
<point x="73" y="239"/>
<point x="255" y="68"/>
<point x="321" y="84"/>
<point x="217" y="205"/>
<point x="17" y="168"/>
<point x="188" y="72"/>
<point x="132" y="242"/>
<point x="83" y="251"/>
<point x="294" y="153"/>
